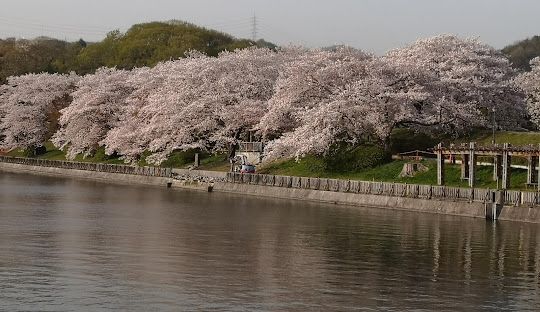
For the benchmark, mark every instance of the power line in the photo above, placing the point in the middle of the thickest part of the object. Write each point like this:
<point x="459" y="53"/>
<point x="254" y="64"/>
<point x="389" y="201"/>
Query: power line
<point x="254" y="28"/>
<point x="49" y="29"/>
<point x="26" y="21"/>
<point x="245" y="21"/>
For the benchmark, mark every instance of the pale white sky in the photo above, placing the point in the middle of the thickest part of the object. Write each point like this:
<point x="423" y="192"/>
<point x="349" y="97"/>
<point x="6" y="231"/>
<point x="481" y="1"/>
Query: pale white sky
<point x="372" y="25"/>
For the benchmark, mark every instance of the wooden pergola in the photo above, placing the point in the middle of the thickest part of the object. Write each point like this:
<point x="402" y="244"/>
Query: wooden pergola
<point x="502" y="160"/>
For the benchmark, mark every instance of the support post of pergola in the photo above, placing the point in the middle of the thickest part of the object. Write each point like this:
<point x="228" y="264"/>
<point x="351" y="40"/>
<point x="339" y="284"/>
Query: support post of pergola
<point x="506" y="167"/>
<point x="440" y="165"/>
<point x="531" y="168"/>
<point x="472" y="164"/>
<point x="464" y="166"/>
<point x="538" y="171"/>
<point x="497" y="167"/>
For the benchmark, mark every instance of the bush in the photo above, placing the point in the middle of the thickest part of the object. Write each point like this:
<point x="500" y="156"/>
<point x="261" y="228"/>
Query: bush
<point x="352" y="159"/>
<point x="40" y="150"/>
<point x="181" y="158"/>
<point x="100" y="155"/>
<point x="34" y="151"/>
<point x="406" y="140"/>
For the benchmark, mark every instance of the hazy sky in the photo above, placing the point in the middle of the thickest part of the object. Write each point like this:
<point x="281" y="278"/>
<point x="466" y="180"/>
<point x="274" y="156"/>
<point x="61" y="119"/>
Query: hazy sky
<point x="372" y="25"/>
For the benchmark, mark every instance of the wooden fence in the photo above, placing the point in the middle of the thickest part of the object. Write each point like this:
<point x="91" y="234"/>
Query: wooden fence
<point x="110" y="168"/>
<point x="514" y="198"/>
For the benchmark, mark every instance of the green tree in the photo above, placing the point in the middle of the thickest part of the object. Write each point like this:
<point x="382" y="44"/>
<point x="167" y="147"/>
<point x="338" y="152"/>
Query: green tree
<point x="522" y="52"/>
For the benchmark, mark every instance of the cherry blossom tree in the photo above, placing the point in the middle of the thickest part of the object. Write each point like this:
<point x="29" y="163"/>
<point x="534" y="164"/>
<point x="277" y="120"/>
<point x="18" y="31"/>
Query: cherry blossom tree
<point x="93" y="112"/>
<point x="469" y="82"/>
<point x="4" y="93"/>
<point x="314" y="78"/>
<point x="368" y="106"/>
<point x="133" y="133"/>
<point x="201" y="102"/>
<point x="530" y="83"/>
<point x="30" y="105"/>
<point x="439" y="84"/>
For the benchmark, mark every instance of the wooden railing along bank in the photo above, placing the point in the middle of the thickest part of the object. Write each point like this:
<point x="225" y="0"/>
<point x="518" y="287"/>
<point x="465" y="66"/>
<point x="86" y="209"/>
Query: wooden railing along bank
<point x="109" y="168"/>
<point x="513" y="198"/>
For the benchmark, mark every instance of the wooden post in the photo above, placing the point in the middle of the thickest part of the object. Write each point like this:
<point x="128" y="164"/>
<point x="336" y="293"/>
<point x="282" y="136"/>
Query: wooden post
<point x="197" y="161"/>
<point x="472" y="164"/>
<point x="497" y="169"/>
<point x="531" y="164"/>
<point x="534" y="170"/>
<point x="538" y="171"/>
<point x="464" y="166"/>
<point x="440" y="165"/>
<point x="506" y="167"/>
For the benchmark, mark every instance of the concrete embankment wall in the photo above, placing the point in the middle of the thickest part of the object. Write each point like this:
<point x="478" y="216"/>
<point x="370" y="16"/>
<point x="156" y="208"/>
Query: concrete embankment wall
<point x="128" y="179"/>
<point x="125" y="174"/>
<point x="472" y="202"/>
<point x="84" y="174"/>
<point x="474" y="209"/>
<point x="437" y="206"/>
<point x="520" y="213"/>
<point x="194" y="174"/>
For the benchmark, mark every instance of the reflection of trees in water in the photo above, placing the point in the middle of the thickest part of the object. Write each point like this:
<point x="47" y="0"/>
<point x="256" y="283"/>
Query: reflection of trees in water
<point x="432" y="253"/>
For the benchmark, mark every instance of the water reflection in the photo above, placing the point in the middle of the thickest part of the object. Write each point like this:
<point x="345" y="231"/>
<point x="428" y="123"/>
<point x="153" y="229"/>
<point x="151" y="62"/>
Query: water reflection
<point x="74" y="245"/>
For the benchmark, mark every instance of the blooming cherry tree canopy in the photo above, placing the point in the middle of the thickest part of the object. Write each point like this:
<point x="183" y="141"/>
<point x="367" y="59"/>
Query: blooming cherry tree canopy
<point x="93" y="111"/>
<point x="368" y="104"/>
<point x="530" y="83"/>
<point x="30" y="105"/>
<point x="201" y="102"/>
<point x="314" y="78"/>
<point x="468" y="82"/>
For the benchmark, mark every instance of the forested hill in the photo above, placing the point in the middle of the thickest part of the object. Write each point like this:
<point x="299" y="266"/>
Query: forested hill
<point x="522" y="52"/>
<point x="142" y="45"/>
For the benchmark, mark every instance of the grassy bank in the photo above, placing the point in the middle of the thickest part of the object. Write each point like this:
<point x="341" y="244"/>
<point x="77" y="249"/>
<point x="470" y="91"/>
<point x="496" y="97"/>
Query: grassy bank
<point x="405" y="140"/>
<point x="311" y="167"/>
<point x="217" y="162"/>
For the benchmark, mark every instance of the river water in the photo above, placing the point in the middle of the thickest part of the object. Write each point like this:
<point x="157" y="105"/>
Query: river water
<point x="72" y="245"/>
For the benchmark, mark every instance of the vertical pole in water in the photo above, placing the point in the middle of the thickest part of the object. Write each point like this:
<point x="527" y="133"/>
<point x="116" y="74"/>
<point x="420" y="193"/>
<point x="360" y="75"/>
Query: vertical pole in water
<point x="497" y="200"/>
<point x="494" y="205"/>
<point x="472" y="164"/>
<point x="440" y="165"/>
